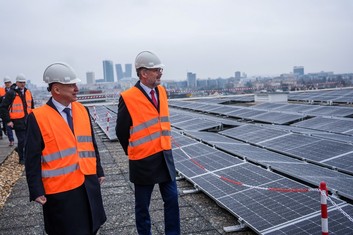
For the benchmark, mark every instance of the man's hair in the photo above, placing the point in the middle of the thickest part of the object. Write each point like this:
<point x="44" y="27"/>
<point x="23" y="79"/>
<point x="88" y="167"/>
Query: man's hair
<point x="50" y="86"/>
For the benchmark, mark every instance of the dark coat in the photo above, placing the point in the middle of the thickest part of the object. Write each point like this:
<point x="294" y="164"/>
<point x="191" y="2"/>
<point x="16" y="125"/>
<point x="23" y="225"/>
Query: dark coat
<point x="91" y="188"/>
<point x="19" y="124"/>
<point x="156" y="168"/>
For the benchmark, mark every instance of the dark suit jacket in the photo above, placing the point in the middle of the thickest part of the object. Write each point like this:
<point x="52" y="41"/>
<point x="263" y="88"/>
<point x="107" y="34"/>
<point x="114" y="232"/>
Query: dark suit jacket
<point x="156" y="168"/>
<point x="33" y="151"/>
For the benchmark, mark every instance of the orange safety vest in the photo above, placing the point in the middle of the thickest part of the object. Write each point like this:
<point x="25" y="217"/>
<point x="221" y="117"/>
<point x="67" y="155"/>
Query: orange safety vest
<point x="66" y="157"/>
<point x="150" y="132"/>
<point x="2" y="91"/>
<point x="16" y="111"/>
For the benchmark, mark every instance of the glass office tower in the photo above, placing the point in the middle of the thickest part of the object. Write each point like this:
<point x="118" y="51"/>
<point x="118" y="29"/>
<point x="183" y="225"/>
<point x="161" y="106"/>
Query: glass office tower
<point x="108" y="71"/>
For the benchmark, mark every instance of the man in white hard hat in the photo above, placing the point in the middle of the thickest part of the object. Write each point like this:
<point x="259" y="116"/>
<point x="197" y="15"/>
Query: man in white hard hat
<point x="7" y="130"/>
<point x="63" y="166"/>
<point x="15" y="107"/>
<point x="144" y="132"/>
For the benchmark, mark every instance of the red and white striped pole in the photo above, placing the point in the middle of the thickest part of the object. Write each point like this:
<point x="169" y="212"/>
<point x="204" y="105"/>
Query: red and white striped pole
<point x="324" y="214"/>
<point x="108" y="120"/>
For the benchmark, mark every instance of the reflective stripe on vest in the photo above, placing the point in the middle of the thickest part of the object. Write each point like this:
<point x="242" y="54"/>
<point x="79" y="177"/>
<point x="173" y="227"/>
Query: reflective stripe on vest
<point x="66" y="158"/>
<point x="58" y="155"/>
<point x="60" y="171"/>
<point x="149" y="138"/>
<point x="150" y="132"/>
<point x="147" y="124"/>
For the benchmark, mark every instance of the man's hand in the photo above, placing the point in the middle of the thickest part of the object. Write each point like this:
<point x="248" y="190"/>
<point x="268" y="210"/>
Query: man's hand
<point x="101" y="179"/>
<point x="10" y="124"/>
<point x="41" y="200"/>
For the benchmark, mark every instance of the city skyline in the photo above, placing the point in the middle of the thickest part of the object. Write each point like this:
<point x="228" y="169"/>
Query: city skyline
<point x="258" y="37"/>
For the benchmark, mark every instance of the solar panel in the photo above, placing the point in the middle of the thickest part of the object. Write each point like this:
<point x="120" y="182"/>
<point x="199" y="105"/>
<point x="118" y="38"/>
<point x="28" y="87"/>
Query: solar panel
<point x="321" y="150"/>
<point x="106" y="120"/>
<point x="190" y="163"/>
<point x="179" y="140"/>
<point x="261" y="209"/>
<point x="335" y="125"/>
<point x="266" y="209"/>
<point x="343" y="163"/>
<point x="223" y="109"/>
<point x="269" y="106"/>
<point x="239" y="132"/>
<point x="331" y="111"/>
<point x="196" y="124"/>
<point x="209" y="137"/>
<point x="337" y="224"/>
<point x="257" y="136"/>
<point x="313" y="174"/>
<point x="314" y="123"/>
<point x="240" y="113"/>
<point x="278" y="118"/>
<point x="255" y="154"/>
<point x="289" y="141"/>
<point x="333" y="136"/>
<point x="296" y="108"/>
<point x="341" y="96"/>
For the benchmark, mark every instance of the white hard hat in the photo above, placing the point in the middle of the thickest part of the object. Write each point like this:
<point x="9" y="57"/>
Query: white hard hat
<point x="21" y="78"/>
<point x="147" y="59"/>
<point x="60" y="73"/>
<point x="7" y="79"/>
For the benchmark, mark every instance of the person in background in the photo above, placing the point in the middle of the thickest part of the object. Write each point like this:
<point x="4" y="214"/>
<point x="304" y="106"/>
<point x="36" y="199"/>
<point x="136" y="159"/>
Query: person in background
<point x="63" y="167"/>
<point x="15" y="107"/>
<point x="144" y="132"/>
<point x="7" y="129"/>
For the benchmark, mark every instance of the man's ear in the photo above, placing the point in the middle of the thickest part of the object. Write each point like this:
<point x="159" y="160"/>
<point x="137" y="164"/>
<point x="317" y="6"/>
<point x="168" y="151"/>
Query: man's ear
<point x="56" y="89"/>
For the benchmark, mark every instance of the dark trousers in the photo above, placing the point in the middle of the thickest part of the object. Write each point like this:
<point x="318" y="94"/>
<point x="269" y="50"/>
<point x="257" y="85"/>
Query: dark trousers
<point x="9" y="133"/>
<point x="169" y="194"/>
<point x="21" y="136"/>
<point x="68" y="213"/>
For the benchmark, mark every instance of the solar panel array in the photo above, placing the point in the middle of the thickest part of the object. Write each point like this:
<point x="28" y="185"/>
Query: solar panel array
<point x="242" y="188"/>
<point x="312" y="174"/>
<point x="233" y="156"/>
<point x="333" y="125"/>
<point x="244" y="113"/>
<point x="337" y="96"/>
<point x="309" y="148"/>
<point x="307" y="109"/>
<point x="105" y="117"/>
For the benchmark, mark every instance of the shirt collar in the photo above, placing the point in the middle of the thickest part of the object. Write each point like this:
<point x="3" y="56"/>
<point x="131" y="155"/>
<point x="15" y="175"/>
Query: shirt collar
<point x="146" y="88"/>
<point x="59" y="106"/>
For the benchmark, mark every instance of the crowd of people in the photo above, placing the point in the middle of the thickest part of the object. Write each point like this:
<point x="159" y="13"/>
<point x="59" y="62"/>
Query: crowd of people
<point x="56" y="143"/>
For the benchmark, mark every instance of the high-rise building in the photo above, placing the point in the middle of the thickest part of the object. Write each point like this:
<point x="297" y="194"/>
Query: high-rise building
<point x="108" y="71"/>
<point x="298" y="70"/>
<point x="191" y="79"/>
<point x="119" y="72"/>
<point x="90" y="77"/>
<point x="128" y="71"/>
<point x="237" y="74"/>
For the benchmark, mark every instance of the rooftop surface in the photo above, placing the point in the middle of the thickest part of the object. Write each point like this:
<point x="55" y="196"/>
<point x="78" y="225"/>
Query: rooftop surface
<point x="199" y="214"/>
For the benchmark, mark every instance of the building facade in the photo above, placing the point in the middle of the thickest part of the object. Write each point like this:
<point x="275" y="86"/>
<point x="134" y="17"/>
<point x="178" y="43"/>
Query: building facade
<point x="90" y="77"/>
<point x="108" y="71"/>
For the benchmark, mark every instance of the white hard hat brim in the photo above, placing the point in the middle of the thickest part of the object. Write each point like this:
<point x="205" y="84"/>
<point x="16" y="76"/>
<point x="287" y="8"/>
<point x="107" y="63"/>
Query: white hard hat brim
<point x="153" y="67"/>
<point x="158" y="66"/>
<point x="74" y="81"/>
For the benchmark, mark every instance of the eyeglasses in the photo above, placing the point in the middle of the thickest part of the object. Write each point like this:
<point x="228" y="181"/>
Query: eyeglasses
<point x="156" y="70"/>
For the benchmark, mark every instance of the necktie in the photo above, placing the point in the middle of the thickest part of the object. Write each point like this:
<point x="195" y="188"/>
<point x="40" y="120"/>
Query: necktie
<point x="154" y="98"/>
<point x="69" y="118"/>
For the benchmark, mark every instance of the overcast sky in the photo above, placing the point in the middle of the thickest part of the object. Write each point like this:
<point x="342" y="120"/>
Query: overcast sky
<point x="212" y="38"/>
